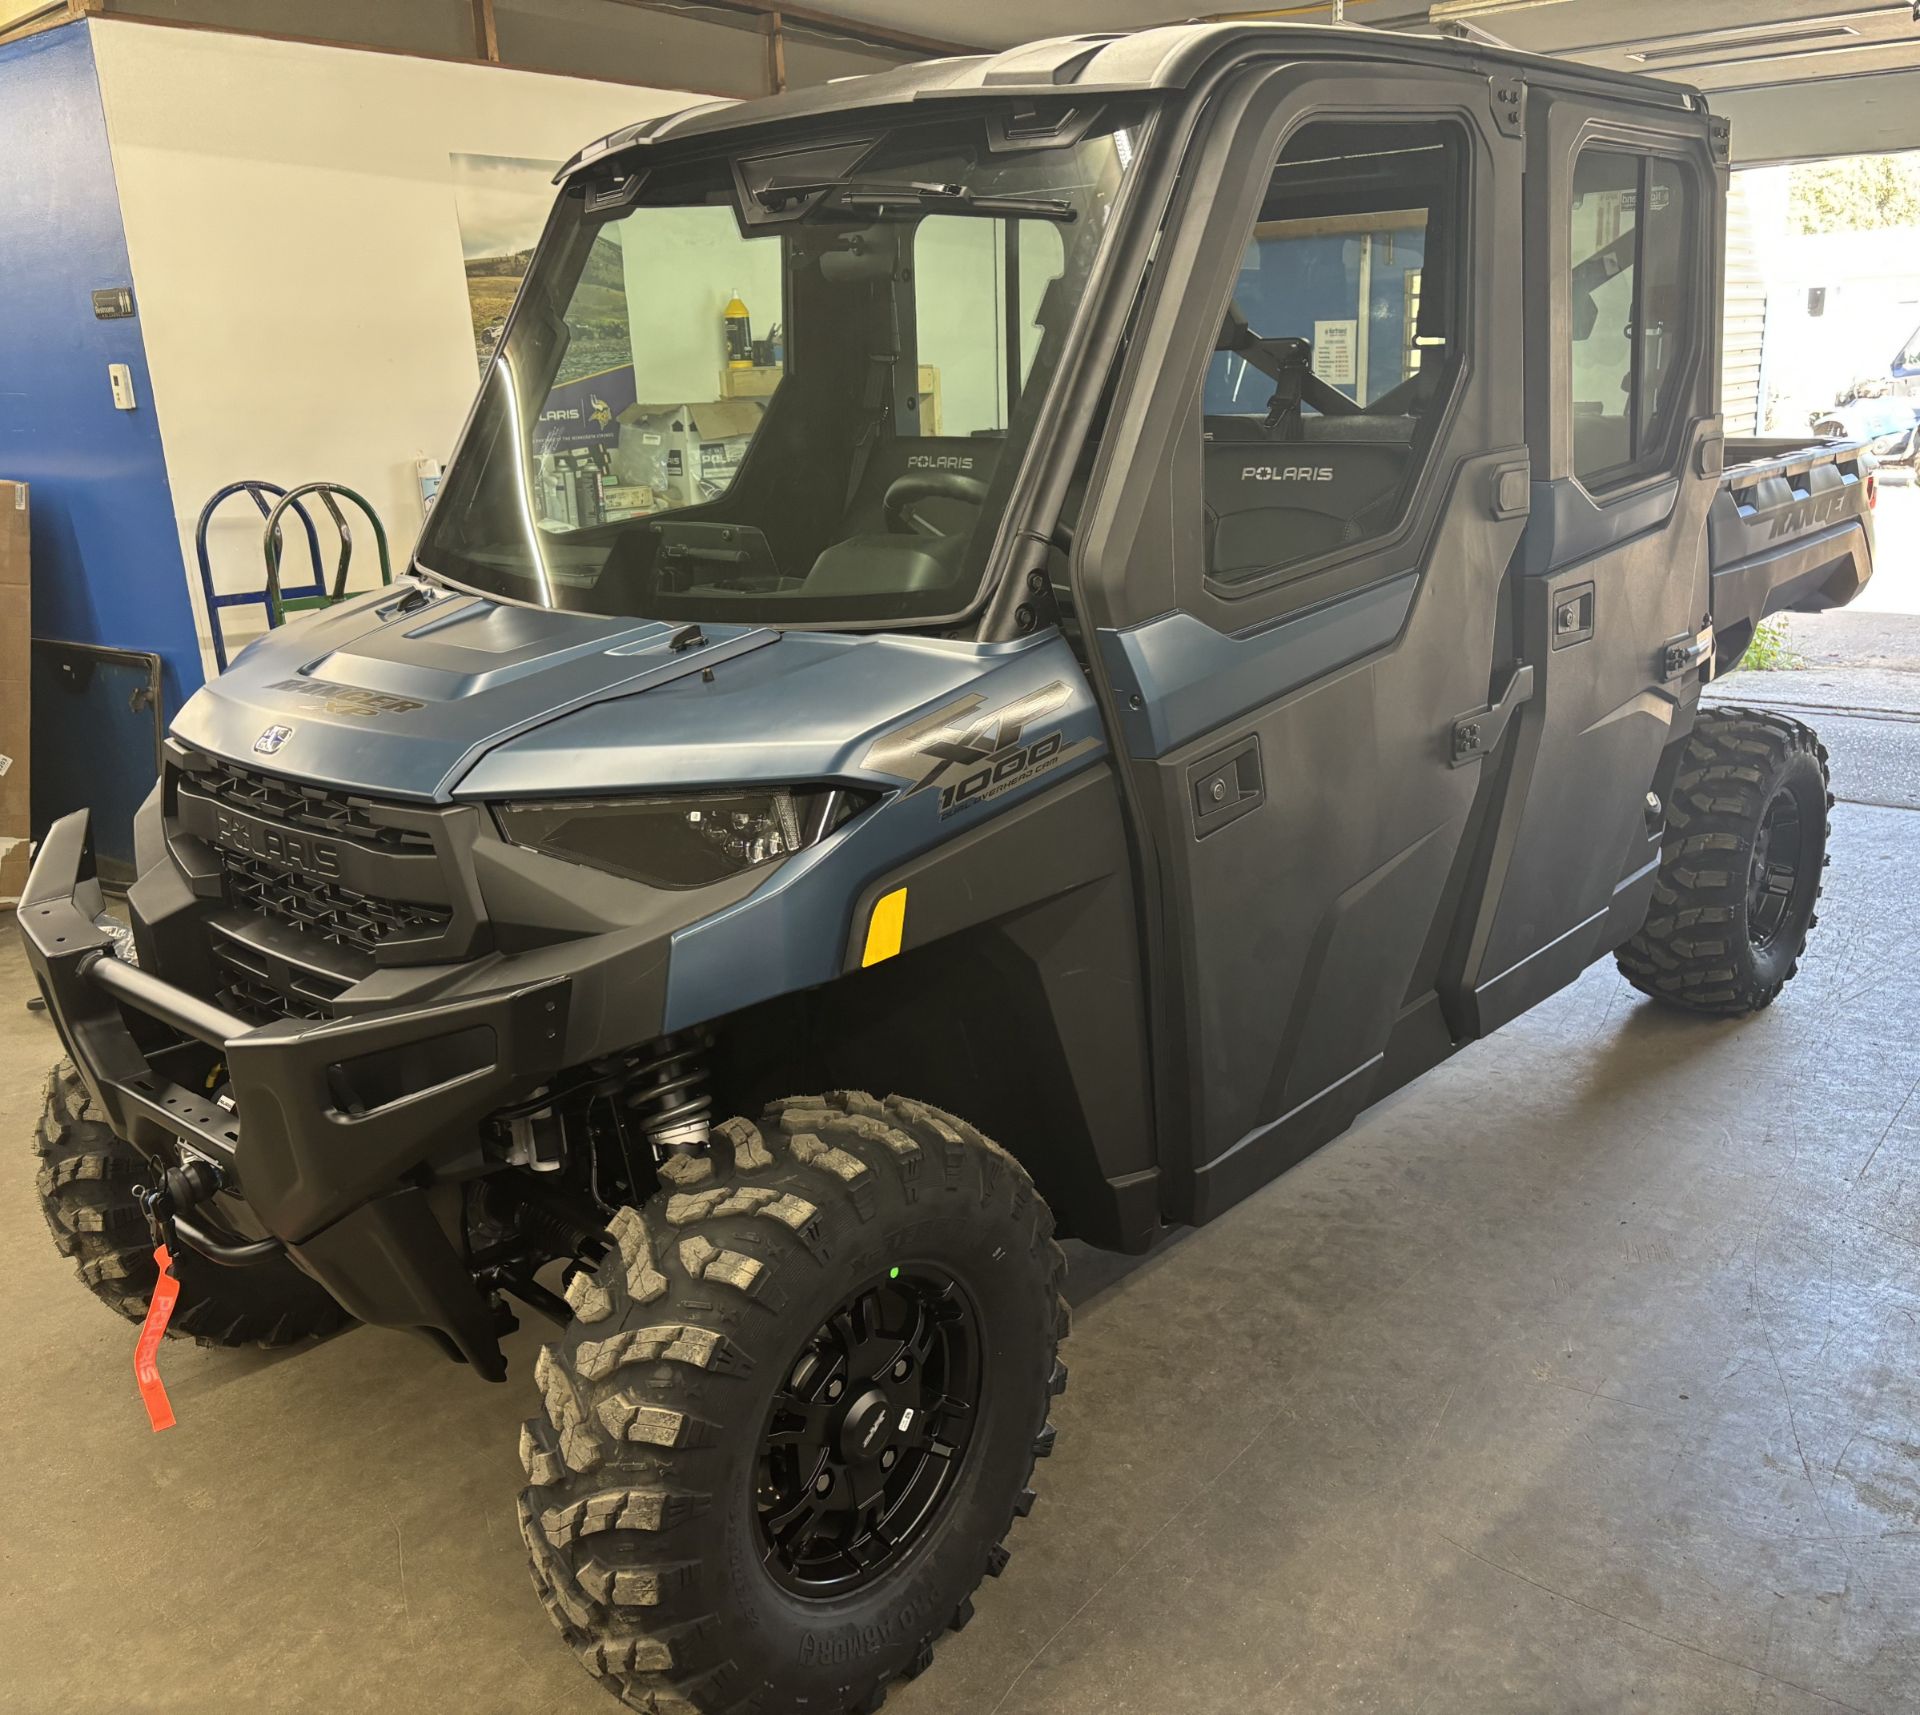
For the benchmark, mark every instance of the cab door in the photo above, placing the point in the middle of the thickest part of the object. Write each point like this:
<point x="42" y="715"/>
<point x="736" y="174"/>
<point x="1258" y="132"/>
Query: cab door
<point x="1623" y="253"/>
<point x="1311" y="485"/>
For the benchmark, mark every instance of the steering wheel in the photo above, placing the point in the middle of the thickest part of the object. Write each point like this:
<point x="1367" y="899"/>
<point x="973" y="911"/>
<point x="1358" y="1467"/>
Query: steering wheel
<point x="903" y="491"/>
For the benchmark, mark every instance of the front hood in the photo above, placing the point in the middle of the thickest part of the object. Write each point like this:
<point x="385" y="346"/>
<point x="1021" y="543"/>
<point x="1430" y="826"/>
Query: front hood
<point x="369" y="698"/>
<point x="484" y="699"/>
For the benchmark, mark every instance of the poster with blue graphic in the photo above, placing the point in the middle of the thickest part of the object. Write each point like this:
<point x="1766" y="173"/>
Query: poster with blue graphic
<point x="586" y="412"/>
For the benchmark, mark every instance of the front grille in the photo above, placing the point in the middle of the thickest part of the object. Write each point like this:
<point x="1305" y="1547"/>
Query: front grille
<point x="286" y="851"/>
<point x="325" y="908"/>
<point x="312" y="809"/>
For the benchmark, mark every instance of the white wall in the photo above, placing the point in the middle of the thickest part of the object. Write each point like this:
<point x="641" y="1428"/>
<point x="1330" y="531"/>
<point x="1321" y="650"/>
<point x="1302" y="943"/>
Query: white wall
<point x="683" y="265"/>
<point x="297" y="262"/>
<point x="959" y="271"/>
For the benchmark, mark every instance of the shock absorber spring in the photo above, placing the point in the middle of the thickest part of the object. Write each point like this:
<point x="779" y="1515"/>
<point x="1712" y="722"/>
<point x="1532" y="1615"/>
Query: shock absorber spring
<point x="669" y="1095"/>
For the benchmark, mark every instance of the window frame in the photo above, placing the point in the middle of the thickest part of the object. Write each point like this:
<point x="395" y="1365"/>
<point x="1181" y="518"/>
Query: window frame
<point x="1655" y="461"/>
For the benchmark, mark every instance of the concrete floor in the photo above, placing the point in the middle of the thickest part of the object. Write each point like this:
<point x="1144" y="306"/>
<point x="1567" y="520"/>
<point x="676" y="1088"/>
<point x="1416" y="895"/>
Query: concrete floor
<point x="1584" y="1376"/>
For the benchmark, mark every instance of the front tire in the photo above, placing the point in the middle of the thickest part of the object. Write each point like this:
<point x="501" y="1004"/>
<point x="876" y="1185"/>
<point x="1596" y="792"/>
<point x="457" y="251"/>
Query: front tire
<point x="797" y="1411"/>
<point x="1741" y="866"/>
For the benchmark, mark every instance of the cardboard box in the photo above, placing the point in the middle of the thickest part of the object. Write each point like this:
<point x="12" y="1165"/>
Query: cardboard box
<point x="684" y="453"/>
<point x="16" y="725"/>
<point x="755" y="383"/>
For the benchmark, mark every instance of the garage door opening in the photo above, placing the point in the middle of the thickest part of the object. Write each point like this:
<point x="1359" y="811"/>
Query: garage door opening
<point x="1823" y="333"/>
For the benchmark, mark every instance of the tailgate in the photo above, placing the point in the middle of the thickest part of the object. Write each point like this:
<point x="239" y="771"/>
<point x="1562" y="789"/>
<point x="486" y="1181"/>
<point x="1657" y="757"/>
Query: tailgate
<point x="1790" y="528"/>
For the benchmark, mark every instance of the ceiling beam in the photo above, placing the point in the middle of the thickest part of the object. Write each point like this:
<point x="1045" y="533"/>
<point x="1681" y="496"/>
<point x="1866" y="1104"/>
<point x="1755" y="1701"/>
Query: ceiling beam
<point x="776" y="54"/>
<point x="62" y="18"/>
<point x="854" y="29"/>
<point x="1444" y="11"/>
<point x="486" y="32"/>
<point x="36" y="20"/>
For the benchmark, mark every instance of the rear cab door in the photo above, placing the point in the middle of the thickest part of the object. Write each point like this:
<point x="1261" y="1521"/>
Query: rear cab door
<point x="1288" y="613"/>
<point x="1610" y="599"/>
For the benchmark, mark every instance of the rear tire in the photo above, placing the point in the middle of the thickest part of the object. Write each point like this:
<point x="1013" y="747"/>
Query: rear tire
<point x="692" y="1414"/>
<point x="86" y="1180"/>
<point x="1741" y="867"/>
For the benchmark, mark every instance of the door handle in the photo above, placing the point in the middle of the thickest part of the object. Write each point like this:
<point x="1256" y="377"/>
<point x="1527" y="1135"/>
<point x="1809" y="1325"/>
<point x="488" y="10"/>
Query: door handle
<point x="1475" y="734"/>
<point x="1573" y="615"/>
<point x="1226" y="785"/>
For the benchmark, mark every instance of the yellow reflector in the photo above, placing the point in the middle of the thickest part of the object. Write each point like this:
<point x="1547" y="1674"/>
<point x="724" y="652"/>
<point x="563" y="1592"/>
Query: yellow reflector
<point x="885" y="926"/>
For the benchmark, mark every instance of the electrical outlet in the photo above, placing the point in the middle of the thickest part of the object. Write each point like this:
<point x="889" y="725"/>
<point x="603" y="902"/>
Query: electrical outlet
<point x="120" y="379"/>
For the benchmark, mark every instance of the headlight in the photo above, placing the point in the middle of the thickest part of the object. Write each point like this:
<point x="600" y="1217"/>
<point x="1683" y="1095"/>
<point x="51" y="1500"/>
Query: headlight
<point x="685" y="841"/>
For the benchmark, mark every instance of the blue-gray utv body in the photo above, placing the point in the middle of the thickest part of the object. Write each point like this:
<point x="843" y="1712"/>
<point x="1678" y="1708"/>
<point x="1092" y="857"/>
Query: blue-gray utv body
<point x="1197" y="617"/>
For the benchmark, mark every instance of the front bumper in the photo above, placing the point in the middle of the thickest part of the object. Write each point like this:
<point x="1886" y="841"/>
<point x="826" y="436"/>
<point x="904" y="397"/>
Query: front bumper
<point x="330" y="1118"/>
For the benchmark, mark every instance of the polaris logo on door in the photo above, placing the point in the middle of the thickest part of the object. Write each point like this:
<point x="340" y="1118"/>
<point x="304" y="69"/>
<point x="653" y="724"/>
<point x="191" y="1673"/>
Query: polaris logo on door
<point x="1287" y="473"/>
<point x="940" y="461"/>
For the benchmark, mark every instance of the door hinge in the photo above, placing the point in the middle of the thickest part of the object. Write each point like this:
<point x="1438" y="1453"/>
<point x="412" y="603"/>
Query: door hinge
<point x="1720" y="139"/>
<point x="1509" y="97"/>
<point x="1476" y="734"/>
<point x="1687" y="652"/>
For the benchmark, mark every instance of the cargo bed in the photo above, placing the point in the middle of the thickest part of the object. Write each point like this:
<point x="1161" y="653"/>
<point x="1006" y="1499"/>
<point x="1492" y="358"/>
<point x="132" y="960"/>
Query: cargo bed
<point x="1790" y="528"/>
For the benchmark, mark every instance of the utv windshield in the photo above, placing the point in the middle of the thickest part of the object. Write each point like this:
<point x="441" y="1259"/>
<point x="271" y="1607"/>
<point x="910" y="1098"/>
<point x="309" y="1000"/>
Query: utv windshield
<point x="789" y="386"/>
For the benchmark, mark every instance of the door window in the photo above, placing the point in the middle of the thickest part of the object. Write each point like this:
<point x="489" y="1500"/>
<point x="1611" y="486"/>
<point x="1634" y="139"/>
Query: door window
<point x="1633" y="311"/>
<point x="1340" y="349"/>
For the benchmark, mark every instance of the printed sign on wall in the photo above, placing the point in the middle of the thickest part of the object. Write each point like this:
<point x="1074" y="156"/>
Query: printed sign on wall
<point x="502" y="202"/>
<point x="1334" y="344"/>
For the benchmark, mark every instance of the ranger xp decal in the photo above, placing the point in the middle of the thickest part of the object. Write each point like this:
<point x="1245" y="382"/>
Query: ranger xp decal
<point x="348" y="699"/>
<point x="974" y="753"/>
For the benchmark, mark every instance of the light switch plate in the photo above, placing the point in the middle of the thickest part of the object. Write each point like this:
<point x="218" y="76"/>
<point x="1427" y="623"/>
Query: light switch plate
<point x="120" y="379"/>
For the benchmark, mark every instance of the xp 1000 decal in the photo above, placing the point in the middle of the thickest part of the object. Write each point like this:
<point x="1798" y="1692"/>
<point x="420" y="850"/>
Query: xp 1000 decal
<point x="972" y="753"/>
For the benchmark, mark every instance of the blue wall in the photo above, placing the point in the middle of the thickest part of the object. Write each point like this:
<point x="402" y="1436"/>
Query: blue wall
<point x="106" y="551"/>
<point x="1286" y="284"/>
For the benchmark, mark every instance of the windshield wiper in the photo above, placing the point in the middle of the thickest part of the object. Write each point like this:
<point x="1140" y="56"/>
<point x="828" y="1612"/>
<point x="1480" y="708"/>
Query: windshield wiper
<point x="879" y="194"/>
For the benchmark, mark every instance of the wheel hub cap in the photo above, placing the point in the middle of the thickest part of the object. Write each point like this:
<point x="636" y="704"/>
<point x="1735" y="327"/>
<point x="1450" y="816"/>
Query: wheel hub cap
<point x="863" y="1434"/>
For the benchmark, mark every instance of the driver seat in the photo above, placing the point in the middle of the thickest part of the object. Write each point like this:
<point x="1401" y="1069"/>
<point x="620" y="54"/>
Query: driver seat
<point x="873" y="560"/>
<point x="885" y="562"/>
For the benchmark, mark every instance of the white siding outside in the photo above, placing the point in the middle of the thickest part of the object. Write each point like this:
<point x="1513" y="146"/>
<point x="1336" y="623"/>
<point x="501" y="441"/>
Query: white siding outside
<point x="1744" y="326"/>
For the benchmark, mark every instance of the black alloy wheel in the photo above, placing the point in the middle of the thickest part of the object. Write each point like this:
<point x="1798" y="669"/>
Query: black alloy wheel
<point x="868" y="1431"/>
<point x="1774" y="876"/>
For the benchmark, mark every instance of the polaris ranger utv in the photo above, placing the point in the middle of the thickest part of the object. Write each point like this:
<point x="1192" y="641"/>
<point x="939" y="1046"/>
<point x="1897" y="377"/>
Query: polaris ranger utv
<point x="1208" y="618"/>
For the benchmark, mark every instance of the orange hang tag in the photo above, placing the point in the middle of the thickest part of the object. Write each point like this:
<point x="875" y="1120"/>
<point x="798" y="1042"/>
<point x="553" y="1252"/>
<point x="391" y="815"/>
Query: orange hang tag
<point x="146" y="1352"/>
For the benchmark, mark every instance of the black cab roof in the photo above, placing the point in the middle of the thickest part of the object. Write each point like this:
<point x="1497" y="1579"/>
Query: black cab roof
<point x="1165" y="58"/>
